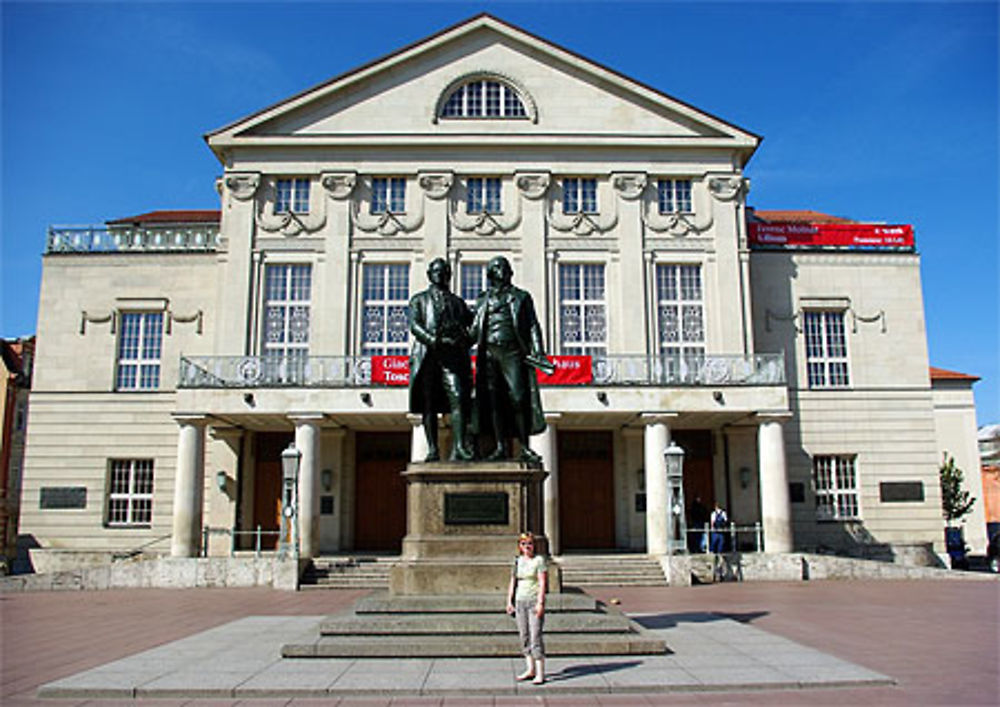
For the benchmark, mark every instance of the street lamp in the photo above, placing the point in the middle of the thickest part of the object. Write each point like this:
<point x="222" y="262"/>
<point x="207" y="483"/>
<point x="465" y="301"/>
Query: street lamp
<point x="290" y="459"/>
<point x="677" y="525"/>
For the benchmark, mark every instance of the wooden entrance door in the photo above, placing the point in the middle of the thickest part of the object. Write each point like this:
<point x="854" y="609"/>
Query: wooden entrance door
<point x="267" y="486"/>
<point x="586" y="490"/>
<point x="698" y="469"/>
<point x="380" y="491"/>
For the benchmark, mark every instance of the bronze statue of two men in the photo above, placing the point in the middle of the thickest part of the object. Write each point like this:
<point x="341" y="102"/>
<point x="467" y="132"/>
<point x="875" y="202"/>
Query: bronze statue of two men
<point x="508" y="341"/>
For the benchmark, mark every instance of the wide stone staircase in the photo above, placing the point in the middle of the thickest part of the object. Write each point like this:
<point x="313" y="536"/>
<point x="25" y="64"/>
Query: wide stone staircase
<point x="358" y="571"/>
<point x="611" y="569"/>
<point x="369" y="571"/>
<point x="379" y="625"/>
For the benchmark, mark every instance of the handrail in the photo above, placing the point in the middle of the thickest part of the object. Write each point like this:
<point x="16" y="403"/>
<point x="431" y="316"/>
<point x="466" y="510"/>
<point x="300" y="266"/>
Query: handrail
<point x="132" y="239"/>
<point x="717" y="370"/>
<point x="138" y="550"/>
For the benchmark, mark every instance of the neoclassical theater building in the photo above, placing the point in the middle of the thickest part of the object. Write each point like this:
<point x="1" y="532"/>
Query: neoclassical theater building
<point x="180" y="352"/>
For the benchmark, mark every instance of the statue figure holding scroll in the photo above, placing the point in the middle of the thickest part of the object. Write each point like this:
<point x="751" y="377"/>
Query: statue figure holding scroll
<point x="440" y="371"/>
<point x="508" y="350"/>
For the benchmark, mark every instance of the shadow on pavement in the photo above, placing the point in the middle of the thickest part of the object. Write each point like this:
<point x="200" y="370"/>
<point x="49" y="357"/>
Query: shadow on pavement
<point x="694" y="617"/>
<point x="576" y="671"/>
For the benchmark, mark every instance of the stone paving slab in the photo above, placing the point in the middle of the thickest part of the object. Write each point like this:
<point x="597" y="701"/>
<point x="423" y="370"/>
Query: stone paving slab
<point x="242" y="659"/>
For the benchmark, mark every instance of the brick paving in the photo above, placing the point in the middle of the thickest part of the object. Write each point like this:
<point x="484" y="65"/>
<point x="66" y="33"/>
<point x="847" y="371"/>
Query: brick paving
<point x="940" y="640"/>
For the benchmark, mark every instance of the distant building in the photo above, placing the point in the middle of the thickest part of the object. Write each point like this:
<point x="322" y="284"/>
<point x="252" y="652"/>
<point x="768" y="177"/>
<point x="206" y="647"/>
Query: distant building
<point x="15" y="383"/>
<point x="181" y="352"/>
<point x="989" y="452"/>
<point x="955" y="425"/>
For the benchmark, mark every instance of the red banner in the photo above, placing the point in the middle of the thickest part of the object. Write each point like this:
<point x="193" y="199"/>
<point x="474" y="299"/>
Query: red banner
<point x="850" y="236"/>
<point x="570" y="370"/>
<point x="391" y="370"/>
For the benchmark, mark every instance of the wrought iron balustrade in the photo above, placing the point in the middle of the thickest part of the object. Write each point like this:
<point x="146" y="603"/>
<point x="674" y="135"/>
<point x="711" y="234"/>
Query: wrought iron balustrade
<point x="129" y="239"/>
<point x="356" y="371"/>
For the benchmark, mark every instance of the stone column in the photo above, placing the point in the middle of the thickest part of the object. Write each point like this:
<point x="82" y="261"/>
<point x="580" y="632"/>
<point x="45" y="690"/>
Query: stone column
<point x="655" y="440"/>
<point x="775" y="506"/>
<point x="307" y="442"/>
<point x="545" y="445"/>
<point x="189" y="482"/>
<point x="418" y="439"/>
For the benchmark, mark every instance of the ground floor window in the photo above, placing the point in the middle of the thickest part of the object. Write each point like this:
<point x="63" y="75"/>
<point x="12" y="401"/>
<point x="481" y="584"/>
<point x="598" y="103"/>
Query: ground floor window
<point x="836" y="487"/>
<point x="130" y="492"/>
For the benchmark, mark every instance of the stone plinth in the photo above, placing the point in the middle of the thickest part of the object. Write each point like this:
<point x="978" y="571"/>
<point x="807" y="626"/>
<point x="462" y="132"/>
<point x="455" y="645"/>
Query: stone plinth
<point x="463" y="519"/>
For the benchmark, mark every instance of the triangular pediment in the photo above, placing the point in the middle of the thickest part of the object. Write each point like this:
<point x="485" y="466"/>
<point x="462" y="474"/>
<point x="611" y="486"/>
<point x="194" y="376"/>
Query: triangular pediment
<point x="400" y="96"/>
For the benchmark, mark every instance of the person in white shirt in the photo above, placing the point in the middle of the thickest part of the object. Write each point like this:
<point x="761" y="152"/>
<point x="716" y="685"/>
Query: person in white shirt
<point x="526" y="601"/>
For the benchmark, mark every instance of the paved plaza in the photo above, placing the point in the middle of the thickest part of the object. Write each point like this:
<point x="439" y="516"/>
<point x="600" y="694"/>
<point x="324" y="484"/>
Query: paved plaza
<point x="852" y="642"/>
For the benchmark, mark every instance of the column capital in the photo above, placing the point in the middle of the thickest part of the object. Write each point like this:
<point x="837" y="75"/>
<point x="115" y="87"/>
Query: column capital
<point x="226" y="433"/>
<point x="190" y="418"/>
<point x="553" y="417"/>
<point x="765" y="416"/>
<point x="654" y="418"/>
<point x="414" y="419"/>
<point x="304" y="418"/>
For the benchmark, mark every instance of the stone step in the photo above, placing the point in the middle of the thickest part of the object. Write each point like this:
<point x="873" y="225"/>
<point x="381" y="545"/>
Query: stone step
<point x="637" y="643"/>
<point x="461" y="624"/>
<point x="383" y="603"/>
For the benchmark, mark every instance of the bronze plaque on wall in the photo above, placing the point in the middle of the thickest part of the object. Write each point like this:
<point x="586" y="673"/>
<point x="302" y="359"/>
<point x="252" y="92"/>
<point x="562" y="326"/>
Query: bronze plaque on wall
<point x="62" y="497"/>
<point x="901" y="491"/>
<point x="475" y="509"/>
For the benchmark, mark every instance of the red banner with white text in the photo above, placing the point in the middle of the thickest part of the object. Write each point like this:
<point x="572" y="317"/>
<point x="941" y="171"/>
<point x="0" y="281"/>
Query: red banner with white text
<point x="836" y="236"/>
<point x="570" y="370"/>
<point x="391" y="370"/>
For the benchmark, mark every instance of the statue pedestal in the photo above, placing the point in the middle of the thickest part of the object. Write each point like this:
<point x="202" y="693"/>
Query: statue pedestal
<point x="462" y="521"/>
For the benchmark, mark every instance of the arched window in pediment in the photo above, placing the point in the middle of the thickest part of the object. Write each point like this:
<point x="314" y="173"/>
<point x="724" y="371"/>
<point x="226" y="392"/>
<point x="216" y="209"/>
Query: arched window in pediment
<point x="485" y="96"/>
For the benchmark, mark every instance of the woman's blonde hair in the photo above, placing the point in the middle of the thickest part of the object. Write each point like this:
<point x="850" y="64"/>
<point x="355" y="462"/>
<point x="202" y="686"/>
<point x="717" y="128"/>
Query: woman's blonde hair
<point x="526" y="536"/>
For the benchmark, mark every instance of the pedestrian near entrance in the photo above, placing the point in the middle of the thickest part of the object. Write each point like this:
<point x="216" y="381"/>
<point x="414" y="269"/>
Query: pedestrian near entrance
<point x="718" y="521"/>
<point x="526" y="601"/>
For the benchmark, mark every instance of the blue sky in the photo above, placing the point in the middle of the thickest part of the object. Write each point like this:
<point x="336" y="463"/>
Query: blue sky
<point x="874" y="111"/>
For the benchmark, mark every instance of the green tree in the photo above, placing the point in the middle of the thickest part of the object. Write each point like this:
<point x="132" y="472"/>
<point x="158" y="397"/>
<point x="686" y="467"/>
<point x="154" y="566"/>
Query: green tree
<point x="955" y="501"/>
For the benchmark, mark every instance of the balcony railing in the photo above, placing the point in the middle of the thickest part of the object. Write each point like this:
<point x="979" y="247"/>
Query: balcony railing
<point x="129" y="239"/>
<point x="356" y="371"/>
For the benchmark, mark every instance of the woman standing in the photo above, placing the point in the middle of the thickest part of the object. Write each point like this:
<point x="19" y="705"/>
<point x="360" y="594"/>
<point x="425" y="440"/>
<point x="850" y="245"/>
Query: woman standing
<point x="526" y="600"/>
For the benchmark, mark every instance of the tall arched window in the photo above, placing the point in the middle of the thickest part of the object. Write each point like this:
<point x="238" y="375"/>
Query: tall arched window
<point x="483" y="98"/>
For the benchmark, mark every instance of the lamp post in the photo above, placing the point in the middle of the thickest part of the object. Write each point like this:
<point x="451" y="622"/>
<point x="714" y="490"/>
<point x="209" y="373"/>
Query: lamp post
<point x="676" y="523"/>
<point x="290" y="459"/>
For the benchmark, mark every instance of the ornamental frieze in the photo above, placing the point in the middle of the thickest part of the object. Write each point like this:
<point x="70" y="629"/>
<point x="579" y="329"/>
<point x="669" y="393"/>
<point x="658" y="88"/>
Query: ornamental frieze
<point x="384" y="223"/>
<point x="339" y="185"/>
<point x="241" y="185"/>
<point x="289" y="223"/>
<point x="436" y="185"/>
<point x="700" y="219"/>
<point x="727" y="188"/>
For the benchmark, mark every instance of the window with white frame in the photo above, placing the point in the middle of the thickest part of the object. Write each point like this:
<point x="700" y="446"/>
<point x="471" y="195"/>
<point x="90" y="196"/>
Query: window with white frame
<point x="292" y="196"/>
<point x="674" y="196"/>
<point x="482" y="195"/>
<point x="385" y="292"/>
<point x="680" y="315"/>
<point x="579" y="195"/>
<point x="130" y="492"/>
<point x="826" y="349"/>
<point x="287" y="301"/>
<point x="140" y="343"/>
<point x="836" y="482"/>
<point x="583" y="323"/>
<point x="473" y="281"/>
<point x="484" y="98"/>
<point x="388" y="195"/>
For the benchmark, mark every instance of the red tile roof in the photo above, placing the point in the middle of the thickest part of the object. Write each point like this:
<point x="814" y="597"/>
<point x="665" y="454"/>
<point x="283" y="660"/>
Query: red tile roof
<point x="942" y="374"/>
<point x="176" y="216"/>
<point x="798" y="216"/>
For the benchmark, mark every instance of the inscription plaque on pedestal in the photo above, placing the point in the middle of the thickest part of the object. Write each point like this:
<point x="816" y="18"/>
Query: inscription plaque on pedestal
<point x="476" y="509"/>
